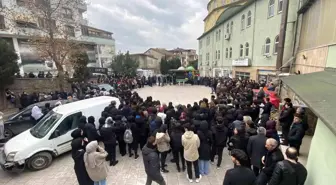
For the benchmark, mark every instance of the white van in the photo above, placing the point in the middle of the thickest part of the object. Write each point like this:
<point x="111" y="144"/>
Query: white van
<point x="51" y="136"/>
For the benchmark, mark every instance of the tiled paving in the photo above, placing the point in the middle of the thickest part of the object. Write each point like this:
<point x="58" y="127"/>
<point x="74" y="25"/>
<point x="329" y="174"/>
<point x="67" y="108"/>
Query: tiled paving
<point x="128" y="171"/>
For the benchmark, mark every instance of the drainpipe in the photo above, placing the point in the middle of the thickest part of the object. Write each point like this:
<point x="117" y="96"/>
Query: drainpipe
<point x="282" y="35"/>
<point x="254" y="26"/>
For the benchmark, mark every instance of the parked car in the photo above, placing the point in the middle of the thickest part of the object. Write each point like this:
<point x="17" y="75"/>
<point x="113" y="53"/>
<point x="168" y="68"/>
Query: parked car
<point x="22" y="121"/>
<point x="51" y="136"/>
<point x="107" y="87"/>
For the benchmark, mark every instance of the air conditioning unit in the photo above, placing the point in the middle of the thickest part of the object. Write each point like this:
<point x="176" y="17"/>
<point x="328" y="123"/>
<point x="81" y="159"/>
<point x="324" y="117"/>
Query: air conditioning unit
<point x="227" y="36"/>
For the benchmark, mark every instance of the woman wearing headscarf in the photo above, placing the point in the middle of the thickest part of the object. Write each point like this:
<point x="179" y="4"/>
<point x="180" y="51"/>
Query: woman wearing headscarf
<point x="94" y="159"/>
<point x="77" y="153"/>
<point x="36" y="113"/>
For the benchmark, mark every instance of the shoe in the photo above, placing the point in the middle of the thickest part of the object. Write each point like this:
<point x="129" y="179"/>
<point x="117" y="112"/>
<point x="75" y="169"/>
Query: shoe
<point x="130" y="155"/>
<point x="164" y="170"/>
<point x="123" y="155"/>
<point x="114" y="163"/>
<point x="178" y="169"/>
<point x="165" y="165"/>
<point x="183" y="168"/>
<point x="218" y="167"/>
<point x="213" y="162"/>
<point x="136" y="156"/>
<point x="173" y="160"/>
<point x="198" y="180"/>
<point x="190" y="180"/>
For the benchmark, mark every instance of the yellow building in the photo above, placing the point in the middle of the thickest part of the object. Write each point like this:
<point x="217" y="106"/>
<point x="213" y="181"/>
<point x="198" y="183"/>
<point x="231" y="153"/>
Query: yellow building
<point x="215" y="9"/>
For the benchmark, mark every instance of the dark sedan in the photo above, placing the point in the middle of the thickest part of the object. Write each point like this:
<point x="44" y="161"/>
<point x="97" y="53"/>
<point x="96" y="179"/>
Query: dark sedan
<point x="23" y="121"/>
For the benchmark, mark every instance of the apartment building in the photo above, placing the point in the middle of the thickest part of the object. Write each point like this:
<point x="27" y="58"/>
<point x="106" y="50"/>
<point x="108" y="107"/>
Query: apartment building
<point x="18" y="25"/>
<point x="147" y="62"/>
<point x="186" y="55"/>
<point x="244" y="41"/>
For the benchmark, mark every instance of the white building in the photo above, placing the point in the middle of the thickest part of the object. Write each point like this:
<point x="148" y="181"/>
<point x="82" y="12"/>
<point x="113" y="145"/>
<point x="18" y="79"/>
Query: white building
<point x="19" y="25"/>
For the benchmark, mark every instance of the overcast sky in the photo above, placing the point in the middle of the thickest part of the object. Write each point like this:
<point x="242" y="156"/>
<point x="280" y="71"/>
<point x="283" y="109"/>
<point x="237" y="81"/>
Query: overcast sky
<point x="140" y="24"/>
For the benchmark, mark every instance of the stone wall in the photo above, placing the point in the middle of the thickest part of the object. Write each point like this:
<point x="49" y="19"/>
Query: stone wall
<point x="30" y="85"/>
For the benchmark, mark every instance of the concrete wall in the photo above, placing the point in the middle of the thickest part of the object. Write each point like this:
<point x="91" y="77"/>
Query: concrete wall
<point x="309" y="61"/>
<point x="321" y="164"/>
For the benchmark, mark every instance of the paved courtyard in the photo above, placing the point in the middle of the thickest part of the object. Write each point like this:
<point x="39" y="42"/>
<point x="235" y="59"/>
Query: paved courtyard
<point x="128" y="171"/>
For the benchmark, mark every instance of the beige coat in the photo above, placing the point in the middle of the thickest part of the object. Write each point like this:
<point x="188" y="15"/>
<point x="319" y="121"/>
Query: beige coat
<point x="191" y="143"/>
<point x="162" y="142"/>
<point x="95" y="161"/>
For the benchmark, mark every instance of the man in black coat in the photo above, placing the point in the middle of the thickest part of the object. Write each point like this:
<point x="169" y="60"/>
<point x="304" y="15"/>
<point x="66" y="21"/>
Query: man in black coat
<point x="267" y="108"/>
<point x="286" y="119"/>
<point x="271" y="158"/>
<point x="296" y="133"/>
<point x="152" y="162"/>
<point x="256" y="149"/>
<point x="289" y="171"/>
<point x="220" y="135"/>
<point x="240" y="174"/>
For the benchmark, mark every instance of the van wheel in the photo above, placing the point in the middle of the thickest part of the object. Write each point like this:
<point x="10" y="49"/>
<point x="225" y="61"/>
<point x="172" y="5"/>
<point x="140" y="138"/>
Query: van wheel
<point x="39" y="161"/>
<point x="8" y="134"/>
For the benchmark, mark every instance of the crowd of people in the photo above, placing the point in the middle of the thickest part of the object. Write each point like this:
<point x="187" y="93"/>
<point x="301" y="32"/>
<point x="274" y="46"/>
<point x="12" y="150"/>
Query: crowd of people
<point x="195" y="135"/>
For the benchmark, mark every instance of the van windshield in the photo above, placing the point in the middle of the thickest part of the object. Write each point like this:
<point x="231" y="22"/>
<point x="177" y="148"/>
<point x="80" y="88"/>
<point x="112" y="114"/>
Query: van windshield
<point x="42" y="128"/>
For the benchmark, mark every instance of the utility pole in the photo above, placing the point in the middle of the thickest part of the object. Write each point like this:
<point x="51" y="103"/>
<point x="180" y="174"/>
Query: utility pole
<point x="282" y="35"/>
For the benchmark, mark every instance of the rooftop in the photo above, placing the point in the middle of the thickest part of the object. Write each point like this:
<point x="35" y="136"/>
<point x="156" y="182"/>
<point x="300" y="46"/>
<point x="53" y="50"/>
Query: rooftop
<point x="317" y="90"/>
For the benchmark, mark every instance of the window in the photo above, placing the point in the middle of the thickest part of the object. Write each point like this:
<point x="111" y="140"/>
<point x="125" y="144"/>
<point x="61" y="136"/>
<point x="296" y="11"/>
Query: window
<point x="242" y="75"/>
<point x="230" y="55"/>
<point x="228" y="28"/>
<point x="21" y="2"/>
<point x="44" y="24"/>
<point x="241" y="53"/>
<point x="231" y="28"/>
<point x="226" y="53"/>
<point x="67" y="13"/>
<point x="43" y="127"/>
<point x="69" y="123"/>
<point x="271" y="8"/>
<point x="243" y="22"/>
<point x="23" y="24"/>
<point x="219" y="34"/>
<point x="2" y="22"/>
<point x="267" y="46"/>
<point x="276" y="44"/>
<point x="218" y="57"/>
<point x="249" y="18"/>
<point x="70" y="30"/>
<point x="280" y="6"/>
<point x="247" y="49"/>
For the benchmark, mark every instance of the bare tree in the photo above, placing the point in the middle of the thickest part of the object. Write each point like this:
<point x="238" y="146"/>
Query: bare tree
<point x="52" y="26"/>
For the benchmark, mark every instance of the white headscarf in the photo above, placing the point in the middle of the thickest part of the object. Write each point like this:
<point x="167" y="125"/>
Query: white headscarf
<point x="36" y="113"/>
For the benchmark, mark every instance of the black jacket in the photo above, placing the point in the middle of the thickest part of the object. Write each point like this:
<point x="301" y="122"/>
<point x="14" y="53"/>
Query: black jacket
<point x="286" y="117"/>
<point x="288" y="173"/>
<point x="176" y="139"/>
<point x="78" y="151"/>
<point x="239" y="176"/>
<point x="267" y="108"/>
<point x="91" y="132"/>
<point x="220" y="134"/>
<point x="239" y="142"/>
<point x="152" y="163"/>
<point x="271" y="159"/>
<point x="205" y="137"/>
<point x="256" y="149"/>
<point x="296" y="134"/>
<point x="251" y="132"/>
<point x="108" y="135"/>
<point x="141" y="125"/>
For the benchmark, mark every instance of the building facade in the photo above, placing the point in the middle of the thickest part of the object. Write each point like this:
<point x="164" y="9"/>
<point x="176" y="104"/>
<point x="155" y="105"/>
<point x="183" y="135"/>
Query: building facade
<point x="147" y="62"/>
<point x="186" y="55"/>
<point x="316" y="36"/>
<point x="159" y="53"/>
<point x="19" y="25"/>
<point x="244" y="41"/>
